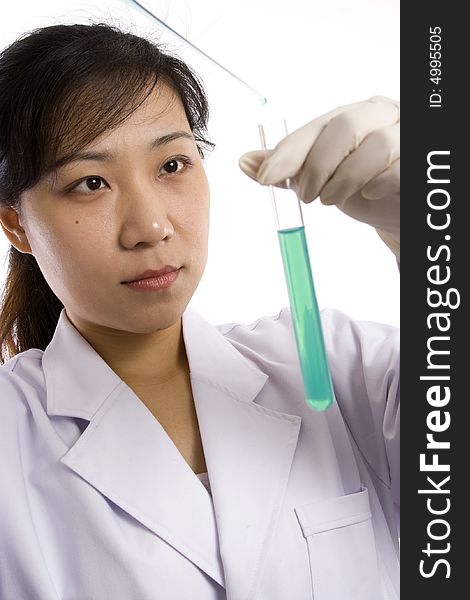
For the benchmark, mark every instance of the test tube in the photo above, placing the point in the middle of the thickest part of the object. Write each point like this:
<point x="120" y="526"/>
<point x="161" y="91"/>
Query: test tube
<point x="297" y="270"/>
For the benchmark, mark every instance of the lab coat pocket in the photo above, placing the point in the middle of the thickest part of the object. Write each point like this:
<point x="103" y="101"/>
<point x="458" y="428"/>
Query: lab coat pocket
<point x="341" y="547"/>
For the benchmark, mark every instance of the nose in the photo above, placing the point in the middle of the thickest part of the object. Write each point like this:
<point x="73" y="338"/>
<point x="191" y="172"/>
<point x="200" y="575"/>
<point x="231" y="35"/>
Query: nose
<point x="146" y="218"/>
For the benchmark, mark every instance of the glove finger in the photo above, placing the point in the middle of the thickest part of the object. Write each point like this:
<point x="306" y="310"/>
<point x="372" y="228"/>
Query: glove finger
<point x="250" y="162"/>
<point x="385" y="184"/>
<point x="382" y="213"/>
<point x="374" y="156"/>
<point x="343" y="134"/>
<point x="289" y="154"/>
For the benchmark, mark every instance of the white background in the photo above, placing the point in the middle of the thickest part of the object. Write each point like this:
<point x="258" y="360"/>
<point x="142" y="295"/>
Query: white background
<point x="306" y="57"/>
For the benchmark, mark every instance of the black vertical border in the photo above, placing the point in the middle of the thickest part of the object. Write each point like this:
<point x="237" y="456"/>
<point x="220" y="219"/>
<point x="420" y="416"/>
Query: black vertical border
<point x="426" y="129"/>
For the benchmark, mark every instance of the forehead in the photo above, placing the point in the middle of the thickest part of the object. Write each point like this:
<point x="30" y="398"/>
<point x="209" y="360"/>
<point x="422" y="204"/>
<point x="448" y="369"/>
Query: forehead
<point x="162" y="105"/>
<point x="162" y="109"/>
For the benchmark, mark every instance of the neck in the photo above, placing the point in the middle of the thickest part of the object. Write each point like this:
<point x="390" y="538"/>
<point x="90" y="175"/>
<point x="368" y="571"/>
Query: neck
<point x="143" y="361"/>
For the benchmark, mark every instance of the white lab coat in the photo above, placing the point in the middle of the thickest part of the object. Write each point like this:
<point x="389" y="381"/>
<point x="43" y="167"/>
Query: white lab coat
<point x="97" y="502"/>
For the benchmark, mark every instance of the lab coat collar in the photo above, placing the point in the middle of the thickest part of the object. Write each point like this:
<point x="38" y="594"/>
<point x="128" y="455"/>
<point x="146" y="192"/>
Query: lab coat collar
<point x="248" y="449"/>
<point x="71" y="364"/>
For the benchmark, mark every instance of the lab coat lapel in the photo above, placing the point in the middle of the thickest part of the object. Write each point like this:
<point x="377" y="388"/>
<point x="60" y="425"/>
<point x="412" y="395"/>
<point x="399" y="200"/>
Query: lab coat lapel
<point x="248" y="449"/>
<point x="125" y="453"/>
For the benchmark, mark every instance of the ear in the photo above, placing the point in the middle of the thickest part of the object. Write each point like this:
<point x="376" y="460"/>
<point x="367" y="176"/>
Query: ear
<point x="9" y="220"/>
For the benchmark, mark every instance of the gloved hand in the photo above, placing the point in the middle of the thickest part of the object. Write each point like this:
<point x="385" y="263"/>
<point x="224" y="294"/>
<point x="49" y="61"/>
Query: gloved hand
<point x="349" y="157"/>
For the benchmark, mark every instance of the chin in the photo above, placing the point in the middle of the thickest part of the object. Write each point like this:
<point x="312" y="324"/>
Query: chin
<point x="159" y="319"/>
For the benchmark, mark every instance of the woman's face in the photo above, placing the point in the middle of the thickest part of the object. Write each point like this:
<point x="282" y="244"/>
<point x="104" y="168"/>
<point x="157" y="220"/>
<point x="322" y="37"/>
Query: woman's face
<point x="102" y="222"/>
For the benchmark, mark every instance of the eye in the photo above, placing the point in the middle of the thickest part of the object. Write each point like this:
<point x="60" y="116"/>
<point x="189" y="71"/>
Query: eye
<point x="90" y="184"/>
<point x="175" y="165"/>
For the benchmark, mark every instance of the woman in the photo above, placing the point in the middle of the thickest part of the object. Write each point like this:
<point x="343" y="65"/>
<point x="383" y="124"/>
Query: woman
<point x="145" y="453"/>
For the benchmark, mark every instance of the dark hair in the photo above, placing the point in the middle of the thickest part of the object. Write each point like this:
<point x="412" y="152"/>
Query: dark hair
<point x="61" y="87"/>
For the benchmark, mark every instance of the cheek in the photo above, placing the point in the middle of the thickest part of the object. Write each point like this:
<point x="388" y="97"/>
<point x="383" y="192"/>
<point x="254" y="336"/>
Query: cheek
<point x="199" y="225"/>
<point x="66" y="249"/>
<point x="202" y="205"/>
<point x="193" y="213"/>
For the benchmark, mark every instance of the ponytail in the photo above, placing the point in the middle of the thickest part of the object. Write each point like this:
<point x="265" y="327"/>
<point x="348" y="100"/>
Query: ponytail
<point x="29" y="309"/>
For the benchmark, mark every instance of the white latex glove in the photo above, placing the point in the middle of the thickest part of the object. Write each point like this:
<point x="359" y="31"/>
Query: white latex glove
<point x="349" y="157"/>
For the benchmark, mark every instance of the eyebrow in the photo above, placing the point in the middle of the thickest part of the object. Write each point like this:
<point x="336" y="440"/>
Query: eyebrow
<point x="109" y="156"/>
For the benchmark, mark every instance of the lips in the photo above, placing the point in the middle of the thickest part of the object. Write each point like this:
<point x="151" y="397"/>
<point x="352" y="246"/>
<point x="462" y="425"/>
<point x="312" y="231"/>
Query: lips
<point x="151" y="273"/>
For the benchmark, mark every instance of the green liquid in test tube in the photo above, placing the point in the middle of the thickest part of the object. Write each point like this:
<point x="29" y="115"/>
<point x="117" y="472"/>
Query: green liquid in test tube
<point x="302" y="298"/>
